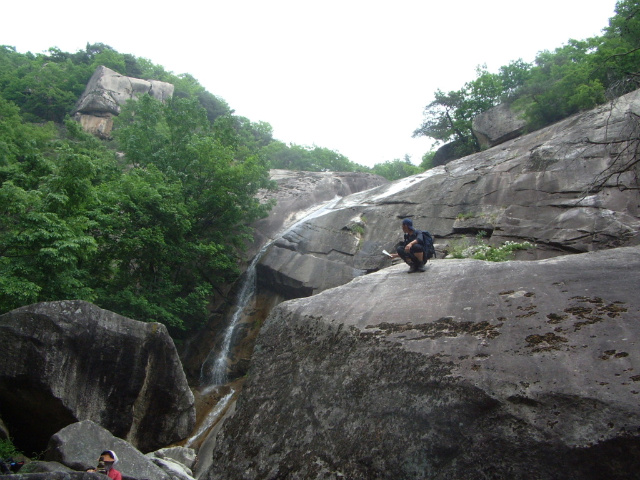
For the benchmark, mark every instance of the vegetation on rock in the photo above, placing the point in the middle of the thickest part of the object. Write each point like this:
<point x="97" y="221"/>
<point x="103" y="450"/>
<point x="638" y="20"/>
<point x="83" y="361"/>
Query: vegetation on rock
<point x="575" y="77"/>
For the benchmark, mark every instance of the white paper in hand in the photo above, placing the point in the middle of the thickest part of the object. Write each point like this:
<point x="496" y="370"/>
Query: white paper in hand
<point x="387" y="253"/>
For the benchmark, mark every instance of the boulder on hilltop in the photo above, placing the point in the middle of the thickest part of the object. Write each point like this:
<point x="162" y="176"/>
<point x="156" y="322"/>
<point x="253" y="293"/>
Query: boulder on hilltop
<point x="497" y="125"/>
<point x="106" y="92"/>
<point x="70" y="360"/>
<point x="514" y="370"/>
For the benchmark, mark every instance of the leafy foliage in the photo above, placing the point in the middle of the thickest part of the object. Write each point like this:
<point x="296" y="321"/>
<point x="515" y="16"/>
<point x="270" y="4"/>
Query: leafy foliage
<point x="152" y="237"/>
<point x="396" y="169"/>
<point x="151" y="232"/>
<point x="8" y="449"/>
<point x="448" y="118"/>
<point x="311" y="159"/>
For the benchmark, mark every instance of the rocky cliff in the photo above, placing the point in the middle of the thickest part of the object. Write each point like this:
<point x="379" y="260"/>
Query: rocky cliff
<point x="557" y="187"/>
<point x="516" y="370"/>
<point x="299" y="192"/>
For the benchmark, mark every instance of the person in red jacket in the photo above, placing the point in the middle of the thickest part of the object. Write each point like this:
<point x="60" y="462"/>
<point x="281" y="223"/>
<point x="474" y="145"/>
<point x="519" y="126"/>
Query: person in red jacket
<point x="110" y="459"/>
<point x="107" y="460"/>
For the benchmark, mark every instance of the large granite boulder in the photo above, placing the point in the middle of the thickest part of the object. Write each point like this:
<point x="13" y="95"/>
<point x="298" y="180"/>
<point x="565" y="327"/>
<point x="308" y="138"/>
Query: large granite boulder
<point x="514" y="370"/>
<point x="79" y="445"/>
<point x="497" y="125"/>
<point x="70" y="360"/>
<point x="106" y="92"/>
<point x="39" y="466"/>
<point x="546" y="187"/>
<point x="448" y="153"/>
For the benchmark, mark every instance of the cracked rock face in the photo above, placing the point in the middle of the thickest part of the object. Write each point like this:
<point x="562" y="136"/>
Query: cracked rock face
<point x="546" y="188"/>
<point x="515" y="370"/>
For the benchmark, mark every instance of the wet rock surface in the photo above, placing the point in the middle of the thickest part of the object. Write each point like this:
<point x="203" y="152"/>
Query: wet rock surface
<point x="516" y="370"/>
<point x="298" y="192"/>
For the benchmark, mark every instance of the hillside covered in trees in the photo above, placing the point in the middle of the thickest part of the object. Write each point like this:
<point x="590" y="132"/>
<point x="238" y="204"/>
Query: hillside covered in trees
<point x="148" y="224"/>
<point x="152" y="222"/>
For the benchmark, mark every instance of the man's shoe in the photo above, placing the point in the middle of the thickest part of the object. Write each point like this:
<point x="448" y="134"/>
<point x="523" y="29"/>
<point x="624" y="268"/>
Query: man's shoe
<point x="421" y="269"/>
<point x="413" y="268"/>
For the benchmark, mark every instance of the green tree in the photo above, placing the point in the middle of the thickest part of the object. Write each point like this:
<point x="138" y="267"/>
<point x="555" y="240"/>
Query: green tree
<point x="396" y="169"/>
<point x="188" y="201"/>
<point x="45" y="238"/>
<point x="427" y="160"/>
<point x="562" y="83"/>
<point x="617" y="59"/>
<point x="448" y="119"/>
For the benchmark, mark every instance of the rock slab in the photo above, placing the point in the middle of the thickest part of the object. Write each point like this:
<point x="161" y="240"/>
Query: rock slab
<point x="514" y="370"/>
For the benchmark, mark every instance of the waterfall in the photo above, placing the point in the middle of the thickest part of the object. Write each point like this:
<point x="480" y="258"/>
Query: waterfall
<point x="213" y="371"/>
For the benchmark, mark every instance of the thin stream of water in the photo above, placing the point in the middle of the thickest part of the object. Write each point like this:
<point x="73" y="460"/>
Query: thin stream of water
<point x="216" y="374"/>
<point x="211" y="417"/>
<point x="213" y="371"/>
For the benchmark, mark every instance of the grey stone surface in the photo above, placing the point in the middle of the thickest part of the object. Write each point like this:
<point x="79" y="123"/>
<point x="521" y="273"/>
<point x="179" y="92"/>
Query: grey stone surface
<point x="542" y="187"/>
<point x="55" y="476"/>
<point x="44" y="467"/>
<point x="298" y="193"/>
<point x="70" y="360"/>
<point x="78" y="446"/>
<point x="183" y="455"/>
<point x="497" y="125"/>
<point x="515" y="370"/>
<point x="174" y="470"/>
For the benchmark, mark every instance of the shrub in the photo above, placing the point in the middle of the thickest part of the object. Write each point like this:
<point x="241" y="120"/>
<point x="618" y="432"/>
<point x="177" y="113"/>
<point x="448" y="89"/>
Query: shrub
<point x="8" y="449"/>
<point x="482" y="251"/>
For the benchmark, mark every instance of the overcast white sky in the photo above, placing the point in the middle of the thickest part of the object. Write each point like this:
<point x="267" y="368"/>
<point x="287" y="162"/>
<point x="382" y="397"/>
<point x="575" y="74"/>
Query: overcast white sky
<point x="350" y="75"/>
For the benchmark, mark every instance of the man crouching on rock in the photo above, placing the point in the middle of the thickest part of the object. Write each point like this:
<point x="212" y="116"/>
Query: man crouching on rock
<point x="411" y="249"/>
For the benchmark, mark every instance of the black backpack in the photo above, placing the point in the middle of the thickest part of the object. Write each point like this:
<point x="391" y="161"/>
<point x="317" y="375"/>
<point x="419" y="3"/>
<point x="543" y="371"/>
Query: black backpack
<point x="427" y="242"/>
